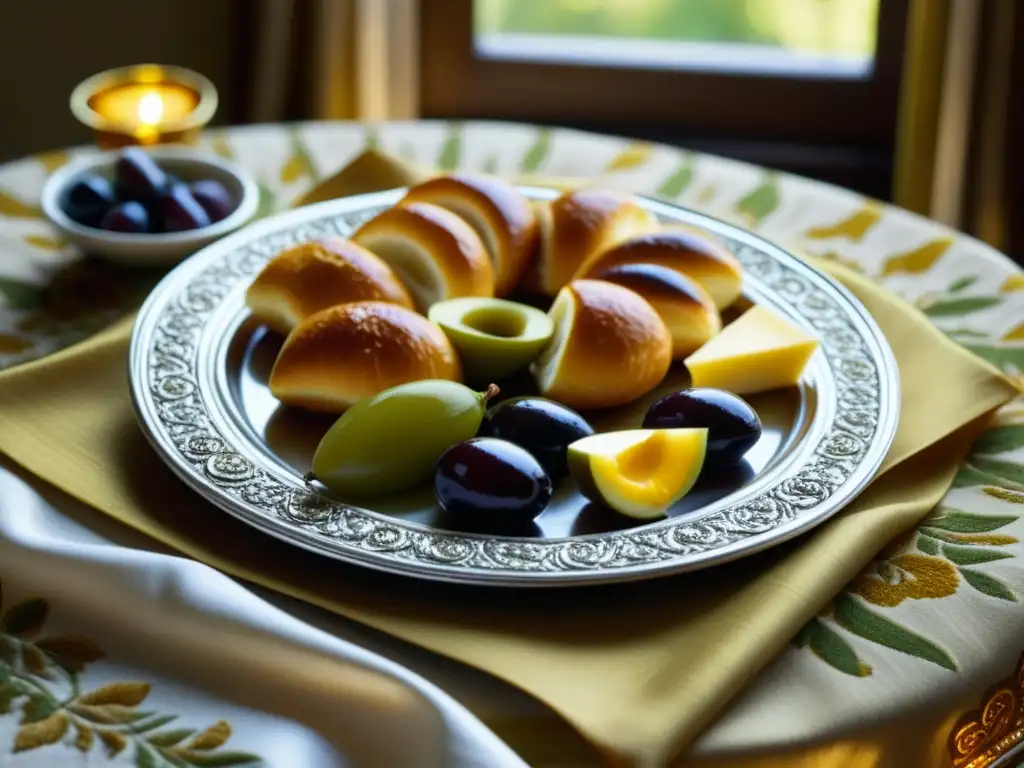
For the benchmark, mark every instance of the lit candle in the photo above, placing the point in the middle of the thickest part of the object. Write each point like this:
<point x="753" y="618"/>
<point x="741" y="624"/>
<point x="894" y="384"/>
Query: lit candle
<point x="145" y="104"/>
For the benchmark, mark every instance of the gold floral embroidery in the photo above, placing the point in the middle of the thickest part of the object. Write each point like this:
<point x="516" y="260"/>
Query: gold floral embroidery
<point x="51" y="161"/>
<point x="950" y="550"/>
<point x="45" y="243"/>
<point x="983" y="735"/>
<point x="39" y="677"/>
<point x="890" y="582"/>
<point x="1013" y="283"/>
<point x="15" y="208"/>
<point x="851" y="264"/>
<point x="929" y="563"/>
<point x="917" y="260"/>
<point x="632" y="155"/>
<point x="854" y="226"/>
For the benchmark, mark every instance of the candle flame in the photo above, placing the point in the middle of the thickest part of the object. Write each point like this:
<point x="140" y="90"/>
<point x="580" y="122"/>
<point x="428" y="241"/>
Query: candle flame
<point x="151" y="109"/>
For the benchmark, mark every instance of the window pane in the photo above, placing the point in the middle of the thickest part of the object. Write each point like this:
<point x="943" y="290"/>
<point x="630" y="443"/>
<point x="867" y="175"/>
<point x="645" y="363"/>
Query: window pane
<point x="809" y="38"/>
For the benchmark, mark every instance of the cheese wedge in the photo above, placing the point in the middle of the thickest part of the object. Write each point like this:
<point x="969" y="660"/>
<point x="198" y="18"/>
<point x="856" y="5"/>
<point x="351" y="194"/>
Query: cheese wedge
<point x="756" y="352"/>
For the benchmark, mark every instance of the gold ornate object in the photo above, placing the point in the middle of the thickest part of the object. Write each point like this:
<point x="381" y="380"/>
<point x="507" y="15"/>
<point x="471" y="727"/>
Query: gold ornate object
<point x="145" y="104"/>
<point x="982" y="736"/>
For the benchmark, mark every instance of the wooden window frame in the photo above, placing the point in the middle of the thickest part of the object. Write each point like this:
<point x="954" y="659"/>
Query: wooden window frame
<point x="457" y="84"/>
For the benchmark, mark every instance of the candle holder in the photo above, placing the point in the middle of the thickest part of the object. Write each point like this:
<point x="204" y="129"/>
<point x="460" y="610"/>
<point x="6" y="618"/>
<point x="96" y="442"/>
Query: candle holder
<point x="145" y="104"/>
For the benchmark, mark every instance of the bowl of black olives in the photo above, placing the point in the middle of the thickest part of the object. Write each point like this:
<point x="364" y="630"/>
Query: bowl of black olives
<point x="150" y="206"/>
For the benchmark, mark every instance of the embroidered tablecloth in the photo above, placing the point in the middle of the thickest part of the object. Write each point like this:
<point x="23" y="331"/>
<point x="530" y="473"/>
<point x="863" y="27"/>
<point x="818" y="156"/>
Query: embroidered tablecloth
<point x="913" y="664"/>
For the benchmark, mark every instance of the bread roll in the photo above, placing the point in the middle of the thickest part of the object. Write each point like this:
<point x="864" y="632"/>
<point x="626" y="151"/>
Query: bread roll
<point x="436" y="254"/>
<point x="497" y="211"/>
<point x="609" y="348"/>
<point x="687" y="309"/>
<point x="310" y="277"/>
<point x="686" y="251"/>
<point x="341" y="355"/>
<point x="578" y="226"/>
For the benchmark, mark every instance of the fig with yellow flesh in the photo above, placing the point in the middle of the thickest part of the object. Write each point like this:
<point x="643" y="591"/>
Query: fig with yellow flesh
<point x="639" y="473"/>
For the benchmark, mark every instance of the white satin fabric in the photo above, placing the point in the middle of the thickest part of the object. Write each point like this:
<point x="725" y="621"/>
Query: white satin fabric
<point x="212" y="650"/>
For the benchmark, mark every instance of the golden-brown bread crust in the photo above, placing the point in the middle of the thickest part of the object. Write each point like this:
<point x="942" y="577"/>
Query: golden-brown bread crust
<point x="687" y="309"/>
<point x="686" y="251"/>
<point x="435" y="253"/>
<point x="617" y="348"/>
<point x="497" y="211"/>
<point x="311" y="277"/>
<point x="345" y="353"/>
<point x="578" y="226"/>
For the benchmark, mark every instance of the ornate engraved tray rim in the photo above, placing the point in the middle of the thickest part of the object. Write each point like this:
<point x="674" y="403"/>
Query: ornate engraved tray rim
<point x="176" y="330"/>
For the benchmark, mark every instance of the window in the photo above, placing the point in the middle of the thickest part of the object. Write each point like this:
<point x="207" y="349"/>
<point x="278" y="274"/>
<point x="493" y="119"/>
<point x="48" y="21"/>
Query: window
<point x="769" y="76"/>
<point x="797" y="38"/>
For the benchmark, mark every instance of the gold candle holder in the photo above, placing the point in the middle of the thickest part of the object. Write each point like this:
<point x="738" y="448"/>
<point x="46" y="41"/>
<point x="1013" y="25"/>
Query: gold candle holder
<point x="145" y="104"/>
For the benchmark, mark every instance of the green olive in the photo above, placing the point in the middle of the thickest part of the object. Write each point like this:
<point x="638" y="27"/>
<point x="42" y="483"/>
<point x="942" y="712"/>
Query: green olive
<point x="494" y="338"/>
<point x="390" y="442"/>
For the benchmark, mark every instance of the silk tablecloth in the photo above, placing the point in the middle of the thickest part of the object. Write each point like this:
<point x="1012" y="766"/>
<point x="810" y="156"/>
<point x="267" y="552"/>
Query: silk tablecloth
<point x="943" y="619"/>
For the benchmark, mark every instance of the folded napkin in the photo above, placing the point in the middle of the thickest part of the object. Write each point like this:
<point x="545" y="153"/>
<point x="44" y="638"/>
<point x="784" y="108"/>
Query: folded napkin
<point x="199" y="643"/>
<point x="639" y="669"/>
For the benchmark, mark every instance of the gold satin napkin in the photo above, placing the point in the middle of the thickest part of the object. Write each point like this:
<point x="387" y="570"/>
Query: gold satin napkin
<point x="638" y="669"/>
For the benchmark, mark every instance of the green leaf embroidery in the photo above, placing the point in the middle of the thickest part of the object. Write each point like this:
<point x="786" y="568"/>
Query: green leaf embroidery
<point x="803" y="637"/>
<point x="955" y="521"/>
<point x="25" y="689"/>
<point x="108" y="714"/>
<point x="204" y="759"/>
<point x="965" y="333"/>
<point x="678" y="181"/>
<point x="835" y="651"/>
<point x="1002" y="469"/>
<point x="988" y="585"/>
<point x="968" y="476"/>
<point x="1001" y="357"/>
<point x="37" y="708"/>
<point x="170" y="738"/>
<point x="927" y="544"/>
<point x="150" y="725"/>
<point x="25" y="619"/>
<point x="147" y="757"/>
<point x="538" y="153"/>
<point x="8" y="693"/>
<point x="762" y="201"/>
<point x="490" y="165"/>
<point x="1000" y="439"/>
<point x="451" y="150"/>
<point x="962" y="283"/>
<point x="8" y="653"/>
<point x="935" y="533"/>
<point x="972" y="555"/>
<point x="267" y="202"/>
<point x="371" y="137"/>
<point x="853" y="615"/>
<point x="18" y="295"/>
<point x="952" y="307"/>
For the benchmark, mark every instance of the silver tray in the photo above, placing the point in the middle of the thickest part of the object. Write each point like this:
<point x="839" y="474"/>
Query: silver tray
<point x="198" y="372"/>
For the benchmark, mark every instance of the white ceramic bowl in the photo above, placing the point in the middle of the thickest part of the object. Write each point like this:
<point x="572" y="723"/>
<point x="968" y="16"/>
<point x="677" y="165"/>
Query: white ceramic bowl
<point x="152" y="249"/>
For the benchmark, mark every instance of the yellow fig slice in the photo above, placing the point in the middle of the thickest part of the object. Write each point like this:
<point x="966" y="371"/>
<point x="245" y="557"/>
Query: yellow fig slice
<point x="639" y="473"/>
